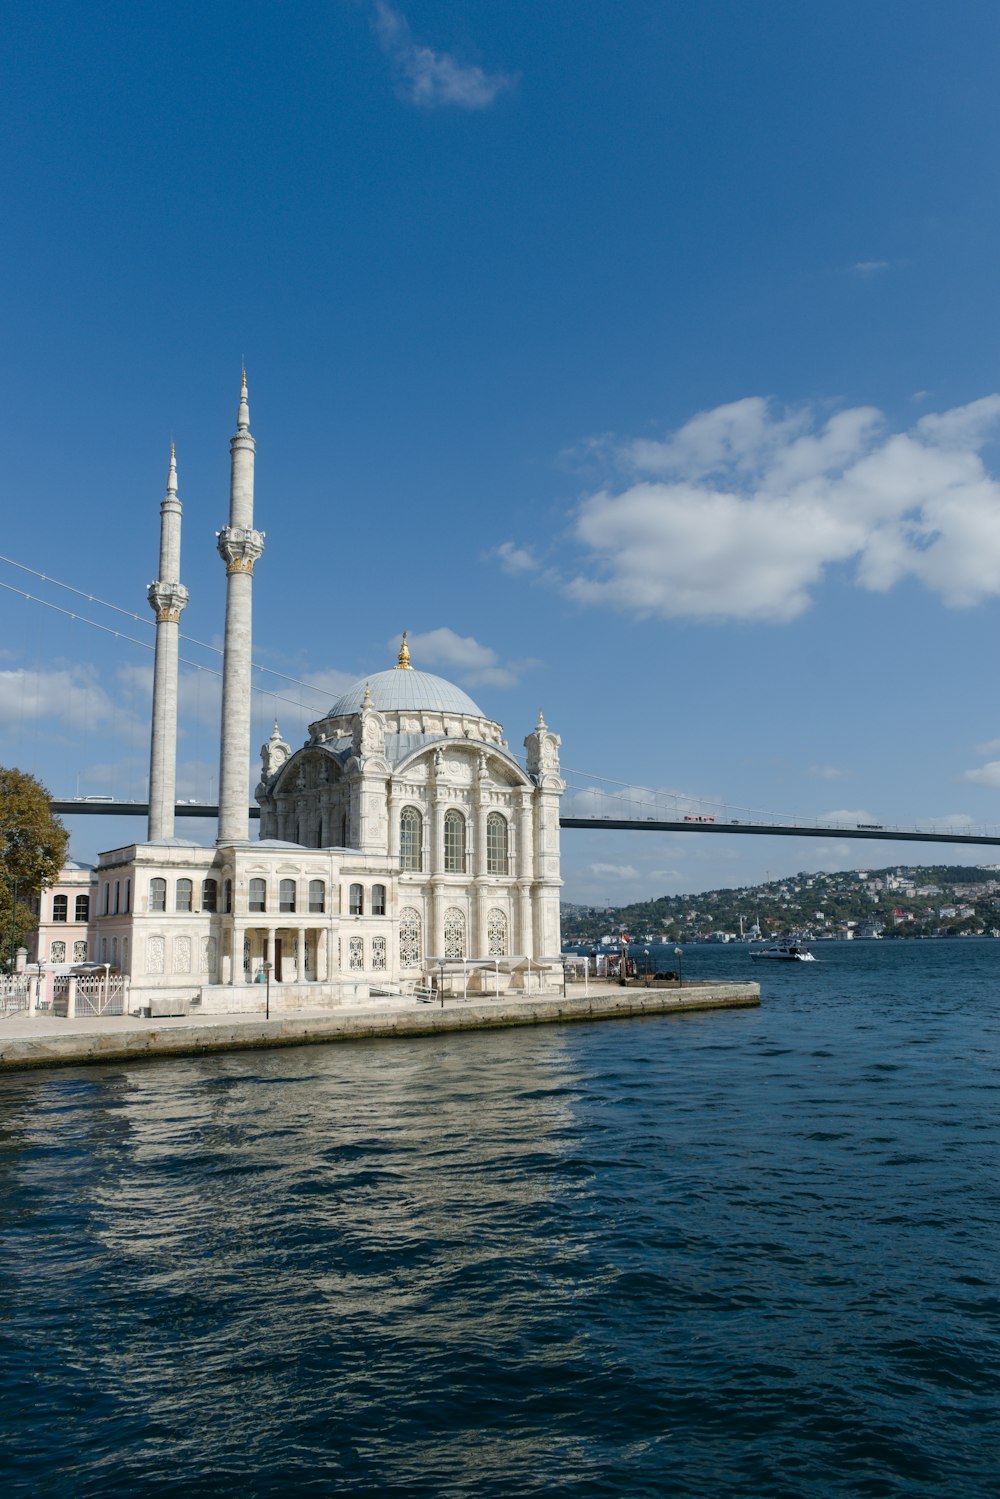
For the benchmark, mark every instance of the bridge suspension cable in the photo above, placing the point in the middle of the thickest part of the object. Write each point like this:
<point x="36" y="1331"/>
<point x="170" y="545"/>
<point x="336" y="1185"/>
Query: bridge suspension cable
<point x="140" y="619"/>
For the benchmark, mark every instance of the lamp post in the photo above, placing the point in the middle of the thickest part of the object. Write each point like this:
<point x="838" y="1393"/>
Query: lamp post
<point x="267" y="992"/>
<point x="679" y="954"/>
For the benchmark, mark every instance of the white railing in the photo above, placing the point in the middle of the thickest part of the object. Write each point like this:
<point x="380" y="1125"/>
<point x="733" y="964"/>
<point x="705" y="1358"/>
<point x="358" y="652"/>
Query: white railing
<point x="14" y="993"/>
<point x="88" y="994"/>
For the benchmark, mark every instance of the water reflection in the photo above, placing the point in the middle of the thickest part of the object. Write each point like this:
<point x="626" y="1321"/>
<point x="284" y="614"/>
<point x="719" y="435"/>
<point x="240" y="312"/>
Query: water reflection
<point x="747" y="1251"/>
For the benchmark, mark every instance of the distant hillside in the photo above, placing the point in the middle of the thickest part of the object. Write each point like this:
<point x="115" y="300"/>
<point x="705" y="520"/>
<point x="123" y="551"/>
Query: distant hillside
<point x="902" y="900"/>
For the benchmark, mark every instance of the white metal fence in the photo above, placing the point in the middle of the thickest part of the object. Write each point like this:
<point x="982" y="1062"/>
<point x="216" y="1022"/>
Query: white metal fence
<point x="14" y="993"/>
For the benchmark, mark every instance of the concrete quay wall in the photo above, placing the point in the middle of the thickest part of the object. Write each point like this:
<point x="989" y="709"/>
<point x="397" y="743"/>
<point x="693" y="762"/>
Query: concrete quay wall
<point x="45" y="1041"/>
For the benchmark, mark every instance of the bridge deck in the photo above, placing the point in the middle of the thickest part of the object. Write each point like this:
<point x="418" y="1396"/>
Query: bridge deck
<point x="73" y="807"/>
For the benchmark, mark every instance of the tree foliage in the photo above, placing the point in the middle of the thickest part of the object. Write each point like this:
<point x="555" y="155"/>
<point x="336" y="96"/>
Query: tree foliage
<point x="32" y="851"/>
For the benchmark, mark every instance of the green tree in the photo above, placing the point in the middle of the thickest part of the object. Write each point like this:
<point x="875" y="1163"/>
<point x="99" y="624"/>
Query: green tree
<point x="32" y="850"/>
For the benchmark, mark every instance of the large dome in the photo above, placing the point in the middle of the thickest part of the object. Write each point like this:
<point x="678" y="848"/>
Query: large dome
<point x="408" y="691"/>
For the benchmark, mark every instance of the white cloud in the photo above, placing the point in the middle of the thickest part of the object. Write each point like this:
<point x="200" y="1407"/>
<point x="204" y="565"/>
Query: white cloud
<point x="612" y="871"/>
<point x="986" y="775"/>
<point x="433" y="79"/>
<point x="827" y="773"/>
<point x="846" y="818"/>
<point x="474" y="663"/>
<point x="990" y="747"/>
<point x="71" y="695"/>
<point x="742" y="511"/>
<point x="868" y="268"/>
<point x="835" y="851"/>
<point x="515" y="559"/>
<point x="952" y="822"/>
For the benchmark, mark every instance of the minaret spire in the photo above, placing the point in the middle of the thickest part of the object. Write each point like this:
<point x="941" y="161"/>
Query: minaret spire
<point x="167" y="597"/>
<point x="240" y="546"/>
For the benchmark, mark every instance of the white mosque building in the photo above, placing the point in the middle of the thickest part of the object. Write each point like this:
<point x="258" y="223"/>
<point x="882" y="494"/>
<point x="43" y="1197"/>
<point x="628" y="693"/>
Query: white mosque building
<point x="401" y="838"/>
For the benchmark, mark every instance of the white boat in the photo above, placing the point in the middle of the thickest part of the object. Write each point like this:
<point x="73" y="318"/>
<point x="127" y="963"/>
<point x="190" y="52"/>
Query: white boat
<point x="784" y="952"/>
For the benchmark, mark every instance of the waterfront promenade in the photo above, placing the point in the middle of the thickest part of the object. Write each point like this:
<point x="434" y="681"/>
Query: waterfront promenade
<point x="44" y="1040"/>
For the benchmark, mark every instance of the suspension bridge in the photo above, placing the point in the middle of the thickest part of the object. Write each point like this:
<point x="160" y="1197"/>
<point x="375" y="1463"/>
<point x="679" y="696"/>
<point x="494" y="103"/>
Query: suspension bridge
<point x="592" y="802"/>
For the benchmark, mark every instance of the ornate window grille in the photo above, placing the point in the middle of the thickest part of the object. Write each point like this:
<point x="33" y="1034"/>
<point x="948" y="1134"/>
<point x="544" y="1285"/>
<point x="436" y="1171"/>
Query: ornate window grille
<point x="184" y="892"/>
<point x="57" y="952"/>
<point x="154" y="955"/>
<point x="355" y="953"/>
<point x="182" y="955"/>
<point x="454" y="843"/>
<point x="209" y="895"/>
<point x="410" y="838"/>
<point x="258" y="897"/>
<point x="60" y="908"/>
<point x="286" y="896"/>
<point x="356" y="901"/>
<point x="454" y="933"/>
<point x="157" y="898"/>
<point x="378" y="900"/>
<point x="80" y="951"/>
<point x="496" y="933"/>
<point x="379" y="954"/>
<point x="317" y="897"/>
<point x="409" y="937"/>
<point x="496" y="844"/>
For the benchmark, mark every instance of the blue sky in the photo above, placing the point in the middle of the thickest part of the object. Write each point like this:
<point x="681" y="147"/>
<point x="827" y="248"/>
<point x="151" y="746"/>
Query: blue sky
<point x="639" y="359"/>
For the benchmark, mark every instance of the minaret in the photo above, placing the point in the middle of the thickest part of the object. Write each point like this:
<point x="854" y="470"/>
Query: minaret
<point x="239" y="547"/>
<point x="166" y="598"/>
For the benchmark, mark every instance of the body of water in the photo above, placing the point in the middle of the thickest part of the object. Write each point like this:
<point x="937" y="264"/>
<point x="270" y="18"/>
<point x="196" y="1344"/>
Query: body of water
<point x="742" y="1253"/>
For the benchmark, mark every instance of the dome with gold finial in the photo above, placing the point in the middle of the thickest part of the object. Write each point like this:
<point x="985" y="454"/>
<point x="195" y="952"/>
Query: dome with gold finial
<point x="404" y="689"/>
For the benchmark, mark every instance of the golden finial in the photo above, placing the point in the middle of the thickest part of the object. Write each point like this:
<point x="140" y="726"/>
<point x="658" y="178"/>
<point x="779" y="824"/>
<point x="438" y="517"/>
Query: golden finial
<point x="541" y="721"/>
<point x="403" y="662"/>
<point x="367" y="701"/>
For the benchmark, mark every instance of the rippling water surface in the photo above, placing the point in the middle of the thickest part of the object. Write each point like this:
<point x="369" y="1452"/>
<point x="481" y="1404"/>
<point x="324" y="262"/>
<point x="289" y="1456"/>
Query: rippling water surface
<point x="748" y="1253"/>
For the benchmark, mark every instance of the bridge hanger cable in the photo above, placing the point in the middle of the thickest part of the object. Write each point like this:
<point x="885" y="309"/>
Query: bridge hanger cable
<point x="142" y="619"/>
<point x="148" y="645"/>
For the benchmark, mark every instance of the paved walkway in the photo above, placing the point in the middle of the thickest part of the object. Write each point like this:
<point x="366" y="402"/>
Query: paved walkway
<point x="43" y="1040"/>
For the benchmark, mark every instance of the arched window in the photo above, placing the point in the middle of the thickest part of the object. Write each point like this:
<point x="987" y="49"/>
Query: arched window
<point x="128" y="895"/>
<point x="184" y="892"/>
<point x="409" y="937"/>
<point x="114" y="952"/>
<point x="356" y="902"/>
<point x="80" y="952"/>
<point x="454" y="843"/>
<point x="57" y="952"/>
<point x="60" y="907"/>
<point x="209" y="895"/>
<point x="258" y="896"/>
<point x="378" y="900"/>
<point x="355" y="953"/>
<point x="317" y="897"/>
<point x="410" y="838"/>
<point x="496" y="844"/>
<point x="286" y="896"/>
<point x="83" y="908"/>
<point x="496" y="933"/>
<point x="118" y="896"/>
<point x="454" y="933"/>
<point x="107" y="896"/>
<point x="157" y="895"/>
<point x="227" y="897"/>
